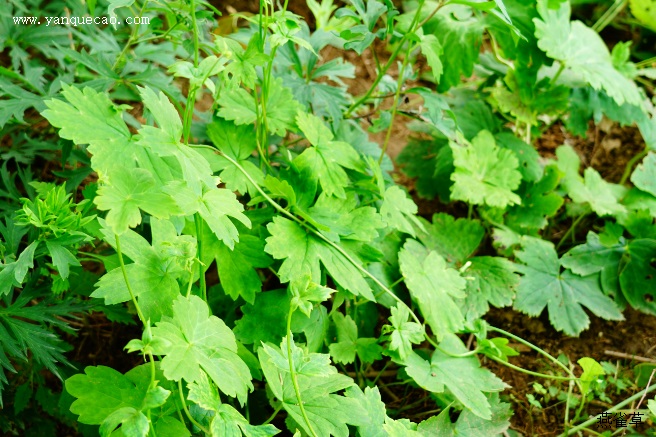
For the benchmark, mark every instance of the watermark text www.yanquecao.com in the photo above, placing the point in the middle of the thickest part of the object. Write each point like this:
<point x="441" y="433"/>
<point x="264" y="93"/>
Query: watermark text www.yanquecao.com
<point x="78" y="21"/>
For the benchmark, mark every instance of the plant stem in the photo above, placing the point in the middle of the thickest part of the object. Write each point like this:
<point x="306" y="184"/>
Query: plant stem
<point x="292" y="371"/>
<point x="127" y="281"/>
<point x="399" y="86"/>
<point x="133" y="36"/>
<point x="538" y="350"/>
<point x="610" y="410"/>
<point x="275" y="413"/>
<point x="394" y="55"/>
<point x="609" y="15"/>
<point x="194" y="25"/>
<point x="530" y="372"/>
<point x="571" y="230"/>
<point x="630" y="164"/>
<point x="186" y="410"/>
<point x="553" y="80"/>
<point x="201" y="268"/>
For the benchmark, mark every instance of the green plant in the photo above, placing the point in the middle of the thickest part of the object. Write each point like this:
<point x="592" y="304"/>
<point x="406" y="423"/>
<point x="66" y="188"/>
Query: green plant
<point x="275" y="186"/>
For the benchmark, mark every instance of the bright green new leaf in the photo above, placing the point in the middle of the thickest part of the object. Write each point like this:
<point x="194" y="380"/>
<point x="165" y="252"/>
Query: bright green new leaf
<point x="193" y="341"/>
<point x="602" y="196"/>
<point x="432" y="49"/>
<point x="62" y="258"/>
<point x="128" y="191"/>
<point x="644" y="176"/>
<point x="404" y="334"/>
<point x="581" y="50"/>
<point x="101" y="391"/>
<point x="327" y="159"/>
<point x="227" y="421"/>
<point x="133" y="423"/>
<point x="281" y="108"/>
<point x="91" y="118"/>
<point x="349" y="344"/>
<point x="497" y="348"/>
<point x="592" y="370"/>
<point x="645" y="12"/>
<point x="328" y="413"/>
<point x="399" y="211"/>
<point x="305" y="293"/>
<point x="13" y="274"/>
<point x="563" y="293"/>
<point x="434" y="286"/>
<point x="199" y="76"/>
<point x="303" y="253"/>
<point x="485" y="173"/>
<point x="215" y="206"/>
<point x="344" y="218"/>
<point x="464" y="377"/>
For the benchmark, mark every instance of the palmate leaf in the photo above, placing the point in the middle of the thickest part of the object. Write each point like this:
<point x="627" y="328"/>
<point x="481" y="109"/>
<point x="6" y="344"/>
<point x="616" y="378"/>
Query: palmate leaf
<point x="318" y="381"/>
<point x="153" y="276"/>
<point x="485" y="173"/>
<point x="399" y="211"/>
<point x="460" y="33"/>
<point x="326" y="160"/>
<point x="468" y="424"/>
<point x="193" y="341"/>
<point x="603" y="197"/>
<point x="539" y="202"/>
<point x="349" y="345"/>
<point x="91" y="118"/>
<point x="644" y="176"/>
<point x="434" y="286"/>
<point x="464" y="377"/>
<point x="105" y="397"/>
<point x="563" y="293"/>
<point x="227" y="421"/>
<point x="404" y="334"/>
<point x="303" y="254"/>
<point x="489" y="280"/>
<point x="582" y="50"/>
<point x="238" y="105"/>
<point x="214" y="205"/>
<point x="237" y="142"/>
<point x="126" y="192"/>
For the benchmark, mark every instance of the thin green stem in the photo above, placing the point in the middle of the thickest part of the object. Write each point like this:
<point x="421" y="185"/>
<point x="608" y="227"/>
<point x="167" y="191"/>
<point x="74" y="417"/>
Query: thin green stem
<point x="273" y="416"/>
<point x="186" y="410"/>
<point x="201" y="267"/>
<point x="194" y="25"/>
<point x="629" y="166"/>
<point x="393" y="57"/>
<point x="131" y="38"/>
<point x="395" y="103"/>
<point x="530" y="372"/>
<point x="609" y="15"/>
<point x="570" y="389"/>
<point x="538" y="350"/>
<point x="571" y="230"/>
<point x="617" y="407"/>
<point x="127" y="281"/>
<point x="646" y="63"/>
<point x="552" y="82"/>
<point x="292" y="371"/>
